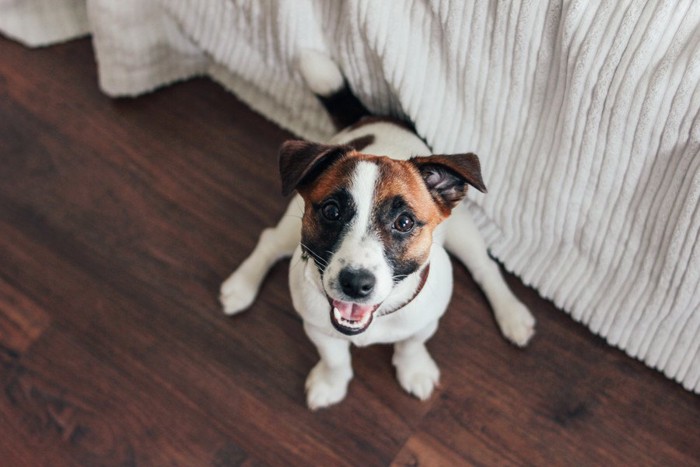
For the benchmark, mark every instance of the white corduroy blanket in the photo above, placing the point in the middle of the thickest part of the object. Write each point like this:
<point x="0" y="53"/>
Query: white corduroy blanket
<point x="586" y="116"/>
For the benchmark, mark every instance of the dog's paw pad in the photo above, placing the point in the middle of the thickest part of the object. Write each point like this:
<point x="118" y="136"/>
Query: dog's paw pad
<point x="418" y="376"/>
<point x="325" y="387"/>
<point x="237" y="293"/>
<point x="517" y="323"/>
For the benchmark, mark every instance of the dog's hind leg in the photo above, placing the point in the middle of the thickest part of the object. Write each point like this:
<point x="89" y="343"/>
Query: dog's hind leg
<point x="241" y="287"/>
<point x="464" y="241"/>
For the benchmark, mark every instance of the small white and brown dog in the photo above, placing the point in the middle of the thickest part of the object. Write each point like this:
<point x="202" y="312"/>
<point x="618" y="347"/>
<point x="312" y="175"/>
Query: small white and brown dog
<point x="367" y="233"/>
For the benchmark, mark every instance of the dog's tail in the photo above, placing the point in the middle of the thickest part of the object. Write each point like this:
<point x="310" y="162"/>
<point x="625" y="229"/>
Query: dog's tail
<point x="326" y="80"/>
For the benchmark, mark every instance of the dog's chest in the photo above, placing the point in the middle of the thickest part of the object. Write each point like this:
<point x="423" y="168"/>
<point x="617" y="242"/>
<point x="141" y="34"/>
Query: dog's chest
<point x="395" y="327"/>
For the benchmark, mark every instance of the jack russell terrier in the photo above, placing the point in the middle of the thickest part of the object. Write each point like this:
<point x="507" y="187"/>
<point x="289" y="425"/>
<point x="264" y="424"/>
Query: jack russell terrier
<point x="368" y="234"/>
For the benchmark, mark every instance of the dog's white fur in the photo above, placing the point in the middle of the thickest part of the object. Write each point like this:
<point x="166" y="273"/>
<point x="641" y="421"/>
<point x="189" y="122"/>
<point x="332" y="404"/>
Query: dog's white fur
<point x="410" y="327"/>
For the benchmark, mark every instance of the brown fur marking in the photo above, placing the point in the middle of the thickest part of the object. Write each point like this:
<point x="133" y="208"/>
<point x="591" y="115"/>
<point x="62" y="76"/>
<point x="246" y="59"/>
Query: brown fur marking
<point x="361" y="142"/>
<point x="402" y="179"/>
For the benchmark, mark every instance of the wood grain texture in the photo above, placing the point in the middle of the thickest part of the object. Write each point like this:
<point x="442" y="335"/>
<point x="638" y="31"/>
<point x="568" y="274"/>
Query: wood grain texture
<point x="118" y="221"/>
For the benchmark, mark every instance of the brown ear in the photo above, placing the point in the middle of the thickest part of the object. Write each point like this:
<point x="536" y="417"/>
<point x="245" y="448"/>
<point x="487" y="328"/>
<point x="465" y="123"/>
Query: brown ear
<point x="447" y="176"/>
<point x="300" y="162"/>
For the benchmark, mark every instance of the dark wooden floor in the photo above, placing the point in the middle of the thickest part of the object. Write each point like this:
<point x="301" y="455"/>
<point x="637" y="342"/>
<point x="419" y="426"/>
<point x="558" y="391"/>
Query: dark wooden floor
<point x="118" y="221"/>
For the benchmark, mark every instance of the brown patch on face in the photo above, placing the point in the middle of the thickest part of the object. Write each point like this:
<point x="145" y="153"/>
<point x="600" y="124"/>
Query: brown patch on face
<point x="402" y="200"/>
<point x="327" y="197"/>
<point x="335" y="177"/>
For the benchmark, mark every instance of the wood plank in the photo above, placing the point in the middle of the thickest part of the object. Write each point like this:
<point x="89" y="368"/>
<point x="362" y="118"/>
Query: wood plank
<point x="21" y="320"/>
<point x="66" y="408"/>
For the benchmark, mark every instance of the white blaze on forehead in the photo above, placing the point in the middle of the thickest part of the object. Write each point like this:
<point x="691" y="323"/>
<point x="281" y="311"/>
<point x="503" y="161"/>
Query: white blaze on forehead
<point x="364" y="182"/>
<point x="359" y="249"/>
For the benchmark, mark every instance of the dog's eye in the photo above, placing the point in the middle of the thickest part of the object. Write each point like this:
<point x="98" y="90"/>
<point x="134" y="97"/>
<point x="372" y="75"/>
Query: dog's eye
<point x="331" y="210"/>
<point x="404" y="223"/>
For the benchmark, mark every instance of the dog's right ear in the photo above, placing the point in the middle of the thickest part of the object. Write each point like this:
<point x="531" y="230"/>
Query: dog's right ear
<point x="301" y="162"/>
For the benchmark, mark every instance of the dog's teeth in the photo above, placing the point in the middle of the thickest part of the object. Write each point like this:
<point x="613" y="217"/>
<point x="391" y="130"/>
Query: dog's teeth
<point x="359" y="324"/>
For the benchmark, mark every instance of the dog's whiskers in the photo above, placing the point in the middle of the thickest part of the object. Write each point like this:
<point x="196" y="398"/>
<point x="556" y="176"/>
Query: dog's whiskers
<point x="314" y="254"/>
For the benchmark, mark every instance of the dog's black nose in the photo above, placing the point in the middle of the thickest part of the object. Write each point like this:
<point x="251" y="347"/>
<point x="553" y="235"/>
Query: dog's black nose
<point x="356" y="283"/>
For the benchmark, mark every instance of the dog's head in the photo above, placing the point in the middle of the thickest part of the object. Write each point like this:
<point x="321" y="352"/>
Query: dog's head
<point x="368" y="220"/>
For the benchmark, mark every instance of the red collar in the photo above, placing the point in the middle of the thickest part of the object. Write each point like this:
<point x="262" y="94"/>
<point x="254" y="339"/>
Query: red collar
<point x="423" y="280"/>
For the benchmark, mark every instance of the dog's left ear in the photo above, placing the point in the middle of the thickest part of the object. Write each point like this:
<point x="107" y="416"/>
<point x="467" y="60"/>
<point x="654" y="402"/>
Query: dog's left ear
<point x="300" y="162"/>
<point x="447" y="176"/>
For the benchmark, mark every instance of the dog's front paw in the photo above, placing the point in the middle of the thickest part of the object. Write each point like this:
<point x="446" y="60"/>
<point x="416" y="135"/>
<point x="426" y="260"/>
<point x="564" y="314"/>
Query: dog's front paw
<point x="418" y="374"/>
<point x="325" y="386"/>
<point x="238" y="292"/>
<point x="516" y="322"/>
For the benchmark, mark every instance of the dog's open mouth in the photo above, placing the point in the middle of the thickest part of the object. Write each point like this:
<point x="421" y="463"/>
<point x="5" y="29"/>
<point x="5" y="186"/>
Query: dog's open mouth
<point x="351" y="318"/>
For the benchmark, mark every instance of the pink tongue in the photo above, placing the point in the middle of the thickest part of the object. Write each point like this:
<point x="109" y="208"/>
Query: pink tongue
<point x="352" y="311"/>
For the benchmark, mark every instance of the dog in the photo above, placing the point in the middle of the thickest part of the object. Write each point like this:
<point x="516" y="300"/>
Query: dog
<point x="368" y="233"/>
